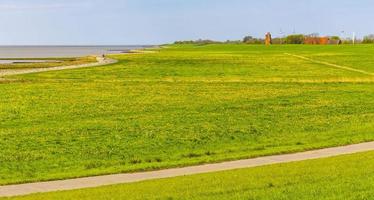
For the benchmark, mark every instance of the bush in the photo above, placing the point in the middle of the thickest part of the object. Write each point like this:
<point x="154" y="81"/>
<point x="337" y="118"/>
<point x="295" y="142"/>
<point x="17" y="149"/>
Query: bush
<point x="369" y="39"/>
<point x="335" y="38"/>
<point x="200" y="42"/>
<point x="252" y="40"/>
<point x="295" y="39"/>
<point x="279" y="40"/>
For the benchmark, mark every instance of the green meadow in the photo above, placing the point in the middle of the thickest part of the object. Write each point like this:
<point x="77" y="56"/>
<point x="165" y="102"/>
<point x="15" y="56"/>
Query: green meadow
<point x="183" y="105"/>
<point x="346" y="177"/>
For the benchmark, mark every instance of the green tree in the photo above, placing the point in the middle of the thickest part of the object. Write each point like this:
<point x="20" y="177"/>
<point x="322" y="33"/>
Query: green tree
<point x="369" y="39"/>
<point x="252" y="40"/>
<point x="335" y="38"/>
<point x="295" y="39"/>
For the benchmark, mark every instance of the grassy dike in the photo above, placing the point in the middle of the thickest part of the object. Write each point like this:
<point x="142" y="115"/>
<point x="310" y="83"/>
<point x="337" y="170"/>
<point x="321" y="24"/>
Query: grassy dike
<point x="345" y="177"/>
<point x="183" y="105"/>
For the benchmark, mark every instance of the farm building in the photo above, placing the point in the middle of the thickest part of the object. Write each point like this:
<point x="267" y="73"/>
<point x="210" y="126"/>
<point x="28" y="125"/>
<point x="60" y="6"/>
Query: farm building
<point x="321" y="40"/>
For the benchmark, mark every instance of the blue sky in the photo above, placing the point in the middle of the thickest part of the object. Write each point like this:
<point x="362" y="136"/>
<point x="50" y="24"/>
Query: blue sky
<point x="161" y="21"/>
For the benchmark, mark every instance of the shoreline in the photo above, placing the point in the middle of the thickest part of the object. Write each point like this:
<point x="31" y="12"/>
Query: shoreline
<point x="100" y="62"/>
<point x="48" y="52"/>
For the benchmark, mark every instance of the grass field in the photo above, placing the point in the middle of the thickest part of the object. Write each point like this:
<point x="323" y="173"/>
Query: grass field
<point x="54" y="62"/>
<point x="183" y="105"/>
<point x="344" y="177"/>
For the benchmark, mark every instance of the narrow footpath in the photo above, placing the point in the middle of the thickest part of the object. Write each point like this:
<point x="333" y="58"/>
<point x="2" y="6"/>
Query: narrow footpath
<point x="331" y="64"/>
<point x="89" y="182"/>
<point x="100" y="62"/>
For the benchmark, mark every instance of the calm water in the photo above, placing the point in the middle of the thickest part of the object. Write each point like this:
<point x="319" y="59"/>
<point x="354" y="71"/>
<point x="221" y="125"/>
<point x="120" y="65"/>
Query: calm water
<point x="24" y="61"/>
<point x="61" y="51"/>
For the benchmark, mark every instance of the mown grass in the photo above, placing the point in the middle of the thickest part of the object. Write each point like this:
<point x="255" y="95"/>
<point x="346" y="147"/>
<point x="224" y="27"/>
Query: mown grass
<point x="181" y="106"/>
<point x="50" y="62"/>
<point x="344" y="177"/>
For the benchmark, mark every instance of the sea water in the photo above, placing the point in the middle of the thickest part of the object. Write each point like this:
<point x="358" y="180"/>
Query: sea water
<point x="63" y="51"/>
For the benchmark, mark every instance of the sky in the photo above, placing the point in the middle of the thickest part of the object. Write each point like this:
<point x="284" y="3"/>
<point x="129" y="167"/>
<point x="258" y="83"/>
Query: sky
<point x="121" y="22"/>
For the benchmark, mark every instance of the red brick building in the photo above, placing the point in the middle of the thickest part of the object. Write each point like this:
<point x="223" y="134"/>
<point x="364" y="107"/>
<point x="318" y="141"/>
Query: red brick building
<point x="320" y="40"/>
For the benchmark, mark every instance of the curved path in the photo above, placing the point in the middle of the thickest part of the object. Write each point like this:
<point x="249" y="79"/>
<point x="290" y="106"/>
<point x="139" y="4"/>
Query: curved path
<point x="330" y="64"/>
<point x="79" y="183"/>
<point x="100" y="61"/>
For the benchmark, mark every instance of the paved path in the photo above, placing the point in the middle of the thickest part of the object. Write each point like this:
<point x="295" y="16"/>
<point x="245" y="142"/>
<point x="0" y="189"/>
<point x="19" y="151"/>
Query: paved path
<point x="100" y="61"/>
<point x="23" y="189"/>
<point x="330" y="64"/>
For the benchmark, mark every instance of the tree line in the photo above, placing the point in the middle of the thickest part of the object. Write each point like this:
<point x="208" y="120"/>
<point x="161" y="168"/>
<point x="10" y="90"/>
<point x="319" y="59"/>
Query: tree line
<point x="290" y="39"/>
